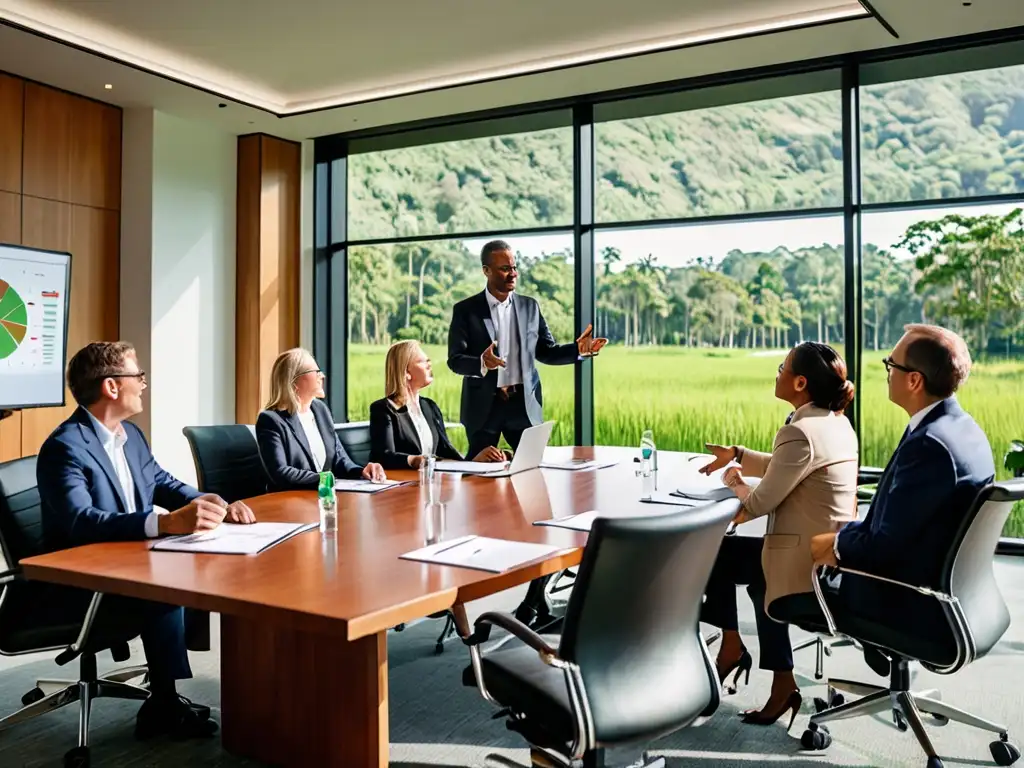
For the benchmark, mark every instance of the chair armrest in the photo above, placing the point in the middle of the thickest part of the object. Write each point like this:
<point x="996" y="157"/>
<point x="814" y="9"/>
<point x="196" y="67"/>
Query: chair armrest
<point x="820" y="595"/>
<point x="513" y="626"/>
<point x="73" y="650"/>
<point x="869" y="475"/>
<point x="10" y="574"/>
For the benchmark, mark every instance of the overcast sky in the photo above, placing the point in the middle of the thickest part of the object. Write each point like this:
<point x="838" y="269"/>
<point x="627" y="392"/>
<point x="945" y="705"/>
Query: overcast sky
<point x="679" y="245"/>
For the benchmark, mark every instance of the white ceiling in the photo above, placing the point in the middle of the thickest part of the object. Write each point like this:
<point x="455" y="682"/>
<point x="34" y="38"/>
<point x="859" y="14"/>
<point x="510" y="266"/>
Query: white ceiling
<point x="311" y="67"/>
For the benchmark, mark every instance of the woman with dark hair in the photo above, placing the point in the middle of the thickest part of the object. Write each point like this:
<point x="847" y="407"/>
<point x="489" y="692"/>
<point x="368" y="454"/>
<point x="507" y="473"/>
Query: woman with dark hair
<point x="808" y="486"/>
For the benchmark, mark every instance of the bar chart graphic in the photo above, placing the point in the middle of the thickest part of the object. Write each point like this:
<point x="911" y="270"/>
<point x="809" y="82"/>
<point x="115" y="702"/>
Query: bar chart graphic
<point x="13" y="320"/>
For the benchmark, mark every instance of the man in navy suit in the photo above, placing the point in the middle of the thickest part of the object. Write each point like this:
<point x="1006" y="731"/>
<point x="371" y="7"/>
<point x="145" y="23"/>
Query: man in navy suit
<point x="941" y="463"/>
<point x="98" y="481"/>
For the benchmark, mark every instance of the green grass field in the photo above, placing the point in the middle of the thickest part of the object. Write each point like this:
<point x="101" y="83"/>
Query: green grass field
<point x="689" y="397"/>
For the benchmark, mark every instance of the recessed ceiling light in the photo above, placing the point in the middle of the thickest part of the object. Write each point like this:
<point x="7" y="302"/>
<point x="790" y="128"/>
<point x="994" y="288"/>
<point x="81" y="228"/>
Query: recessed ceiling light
<point x="109" y="87"/>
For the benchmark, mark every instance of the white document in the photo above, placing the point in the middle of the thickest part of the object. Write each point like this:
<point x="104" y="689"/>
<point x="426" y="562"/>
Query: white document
<point x="660" y="497"/>
<point x="482" y="553"/>
<point x="584" y="521"/>
<point x="575" y="465"/>
<point x="471" y="467"/>
<point x="234" y="538"/>
<point x="365" y="486"/>
<point x="705" y="487"/>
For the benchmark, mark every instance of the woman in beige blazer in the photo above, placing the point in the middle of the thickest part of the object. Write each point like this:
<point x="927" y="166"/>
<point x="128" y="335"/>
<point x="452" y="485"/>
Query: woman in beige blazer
<point x="808" y="486"/>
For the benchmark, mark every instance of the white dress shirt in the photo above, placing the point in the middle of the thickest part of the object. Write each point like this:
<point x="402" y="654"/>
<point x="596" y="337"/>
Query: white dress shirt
<point x="314" y="438"/>
<point x="113" y="445"/>
<point x="506" y="331"/>
<point x="419" y="421"/>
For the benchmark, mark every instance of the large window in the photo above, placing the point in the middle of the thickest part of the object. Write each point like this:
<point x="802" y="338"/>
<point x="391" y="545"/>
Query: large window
<point x="699" y="318"/>
<point x="776" y="154"/>
<point x="506" y="182"/>
<point x="711" y="222"/>
<point x="961" y="267"/>
<point x="950" y="136"/>
<point x="407" y="291"/>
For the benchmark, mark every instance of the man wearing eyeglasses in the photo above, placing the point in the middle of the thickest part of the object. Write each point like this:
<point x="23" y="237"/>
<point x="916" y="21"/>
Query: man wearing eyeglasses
<point x="941" y="463"/>
<point x="495" y="341"/>
<point x="98" y="481"/>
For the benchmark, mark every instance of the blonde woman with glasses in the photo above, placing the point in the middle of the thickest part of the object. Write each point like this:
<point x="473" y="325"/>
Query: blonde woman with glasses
<point x="296" y="434"/>
<point x="406" y="426"/>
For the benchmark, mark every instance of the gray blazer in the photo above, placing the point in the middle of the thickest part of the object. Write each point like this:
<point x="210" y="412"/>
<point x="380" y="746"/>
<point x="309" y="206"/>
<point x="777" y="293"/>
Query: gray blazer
<point x="472" y="331"/>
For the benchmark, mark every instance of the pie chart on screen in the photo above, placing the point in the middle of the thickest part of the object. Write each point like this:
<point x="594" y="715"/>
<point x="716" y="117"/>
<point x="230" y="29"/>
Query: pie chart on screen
<point x="13" y="320"/>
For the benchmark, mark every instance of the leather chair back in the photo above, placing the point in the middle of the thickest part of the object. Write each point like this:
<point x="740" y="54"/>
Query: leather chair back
<point x="632" y="622"/>
<point x="227" y="461"/>
<point x="969" y="575"/>
<point x="355" y="437"/>
<point x="21" y="515"/>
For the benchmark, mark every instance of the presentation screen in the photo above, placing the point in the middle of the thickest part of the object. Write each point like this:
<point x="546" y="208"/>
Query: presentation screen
<point x="33" y="326"/>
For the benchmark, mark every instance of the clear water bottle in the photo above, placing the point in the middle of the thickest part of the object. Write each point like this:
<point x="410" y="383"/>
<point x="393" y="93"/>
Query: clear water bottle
<point x="646" y="475"/>
<point x="430" y="479"/>
<point x="327" y="501"/>
<point x="649" y="452"/>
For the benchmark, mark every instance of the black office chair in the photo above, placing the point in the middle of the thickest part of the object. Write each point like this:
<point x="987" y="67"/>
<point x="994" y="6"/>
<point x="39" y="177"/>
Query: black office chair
<point x="631" y="665"/>
<point x="36" y="617"/>
<point x="227" y="461"/>
<point x="946" y="630"/>
<point x="355" y="437"/>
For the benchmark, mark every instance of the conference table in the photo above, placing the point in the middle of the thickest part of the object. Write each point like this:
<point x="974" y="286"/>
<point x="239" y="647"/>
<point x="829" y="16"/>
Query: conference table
<point x="304" y="674"/>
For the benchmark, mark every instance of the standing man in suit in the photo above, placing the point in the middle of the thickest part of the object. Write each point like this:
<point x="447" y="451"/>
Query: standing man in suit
<point x="98" y="481"/>
<point x="495" y="341"/>
<point x="941" y="463"/>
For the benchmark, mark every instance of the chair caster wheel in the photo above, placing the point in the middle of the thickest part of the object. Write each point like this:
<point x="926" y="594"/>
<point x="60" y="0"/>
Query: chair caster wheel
<point x="835" y="699"/>
<point x="438" y="649"/>
<point x="899" y="719"/>
<point x="399" y="627"/>
<point x="815" y="738"/>
<point x="1003" y="752"/>
<point x="934" y="762"/>
<point x="32" y="696"/>
<point x="77" y="758"/>
<point x="940" y="720"/>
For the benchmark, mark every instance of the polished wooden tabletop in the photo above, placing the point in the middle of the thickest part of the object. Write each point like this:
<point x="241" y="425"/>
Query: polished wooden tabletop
<point x="355" y="583"/>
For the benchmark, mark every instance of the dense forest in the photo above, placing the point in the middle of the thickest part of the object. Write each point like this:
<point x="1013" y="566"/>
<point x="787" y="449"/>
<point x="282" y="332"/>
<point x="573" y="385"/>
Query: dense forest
<point x="954" y="136"/>
<point x="942" y="137"/>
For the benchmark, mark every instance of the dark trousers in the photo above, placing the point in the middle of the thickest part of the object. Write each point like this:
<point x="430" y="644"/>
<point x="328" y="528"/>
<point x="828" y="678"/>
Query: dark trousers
<point x="161" y="628"/>
<point x="738" y="564"/>
<point x="507" y="417"/>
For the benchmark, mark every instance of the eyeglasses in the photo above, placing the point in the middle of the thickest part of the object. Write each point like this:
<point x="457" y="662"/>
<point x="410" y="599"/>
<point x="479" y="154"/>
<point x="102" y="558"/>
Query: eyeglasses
<point x="140" y="375"/>
<point x="889" y="364"/>
<point x="506" y="270"/>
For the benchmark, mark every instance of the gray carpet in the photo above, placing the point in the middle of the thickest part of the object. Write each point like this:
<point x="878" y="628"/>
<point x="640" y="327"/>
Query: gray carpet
<point x="435" y="721"/>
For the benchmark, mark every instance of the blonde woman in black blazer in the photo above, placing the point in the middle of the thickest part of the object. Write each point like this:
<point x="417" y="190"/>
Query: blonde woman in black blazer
<point x="405" y="426"/>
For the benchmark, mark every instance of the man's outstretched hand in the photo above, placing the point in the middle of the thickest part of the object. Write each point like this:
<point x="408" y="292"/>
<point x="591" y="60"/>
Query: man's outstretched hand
<point x="587" y="344"/>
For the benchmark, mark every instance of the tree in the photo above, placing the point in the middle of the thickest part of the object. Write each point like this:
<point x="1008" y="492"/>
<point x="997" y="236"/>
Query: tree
<point x="971" y="269"/>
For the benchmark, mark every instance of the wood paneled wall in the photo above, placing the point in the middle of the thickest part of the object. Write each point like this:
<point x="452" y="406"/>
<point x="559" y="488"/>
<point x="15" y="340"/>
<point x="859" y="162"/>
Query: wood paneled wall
<point x="267" y="264"/>
<point x="60" y="188"/>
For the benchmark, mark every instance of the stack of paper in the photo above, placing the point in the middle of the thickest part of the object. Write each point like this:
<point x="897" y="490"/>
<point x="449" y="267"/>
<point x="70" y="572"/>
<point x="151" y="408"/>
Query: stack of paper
<point x="482" y="554"/>
<point x="366" y="486"/>
<point x="584" y="521"/>
<point x="705" y="487"/>
<point x="575" y="465"/>
<point x="234" y="539"/>
<point x="471" y="467"/>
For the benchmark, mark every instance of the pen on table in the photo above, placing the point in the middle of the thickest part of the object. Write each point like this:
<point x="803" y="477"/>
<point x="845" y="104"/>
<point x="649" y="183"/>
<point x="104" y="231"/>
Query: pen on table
<point x="452" y="546"/>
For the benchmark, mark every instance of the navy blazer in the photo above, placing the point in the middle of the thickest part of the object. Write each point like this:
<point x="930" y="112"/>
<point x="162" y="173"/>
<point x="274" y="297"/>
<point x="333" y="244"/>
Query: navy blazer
<point x="393" y="436"/>
<point x="472" y="332"/>
<point x="927" y="488"/>
<point x="82" y="499"/>
<point x="287" y="457"/>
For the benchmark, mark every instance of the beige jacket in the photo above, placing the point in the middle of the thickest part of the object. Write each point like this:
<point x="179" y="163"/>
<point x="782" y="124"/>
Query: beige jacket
<point x="808" y="486"/>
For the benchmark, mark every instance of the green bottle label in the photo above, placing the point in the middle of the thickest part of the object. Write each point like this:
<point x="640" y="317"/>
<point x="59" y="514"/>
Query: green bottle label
<point x="326" y="488"/>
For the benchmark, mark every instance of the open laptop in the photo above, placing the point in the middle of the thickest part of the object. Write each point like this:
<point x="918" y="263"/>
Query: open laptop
<point x="528" y="455"/>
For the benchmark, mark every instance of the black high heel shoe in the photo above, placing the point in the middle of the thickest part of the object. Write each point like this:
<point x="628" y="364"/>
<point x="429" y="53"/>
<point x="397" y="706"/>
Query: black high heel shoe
<point x="743" y="664"/>
<point x="792" y="705"/>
